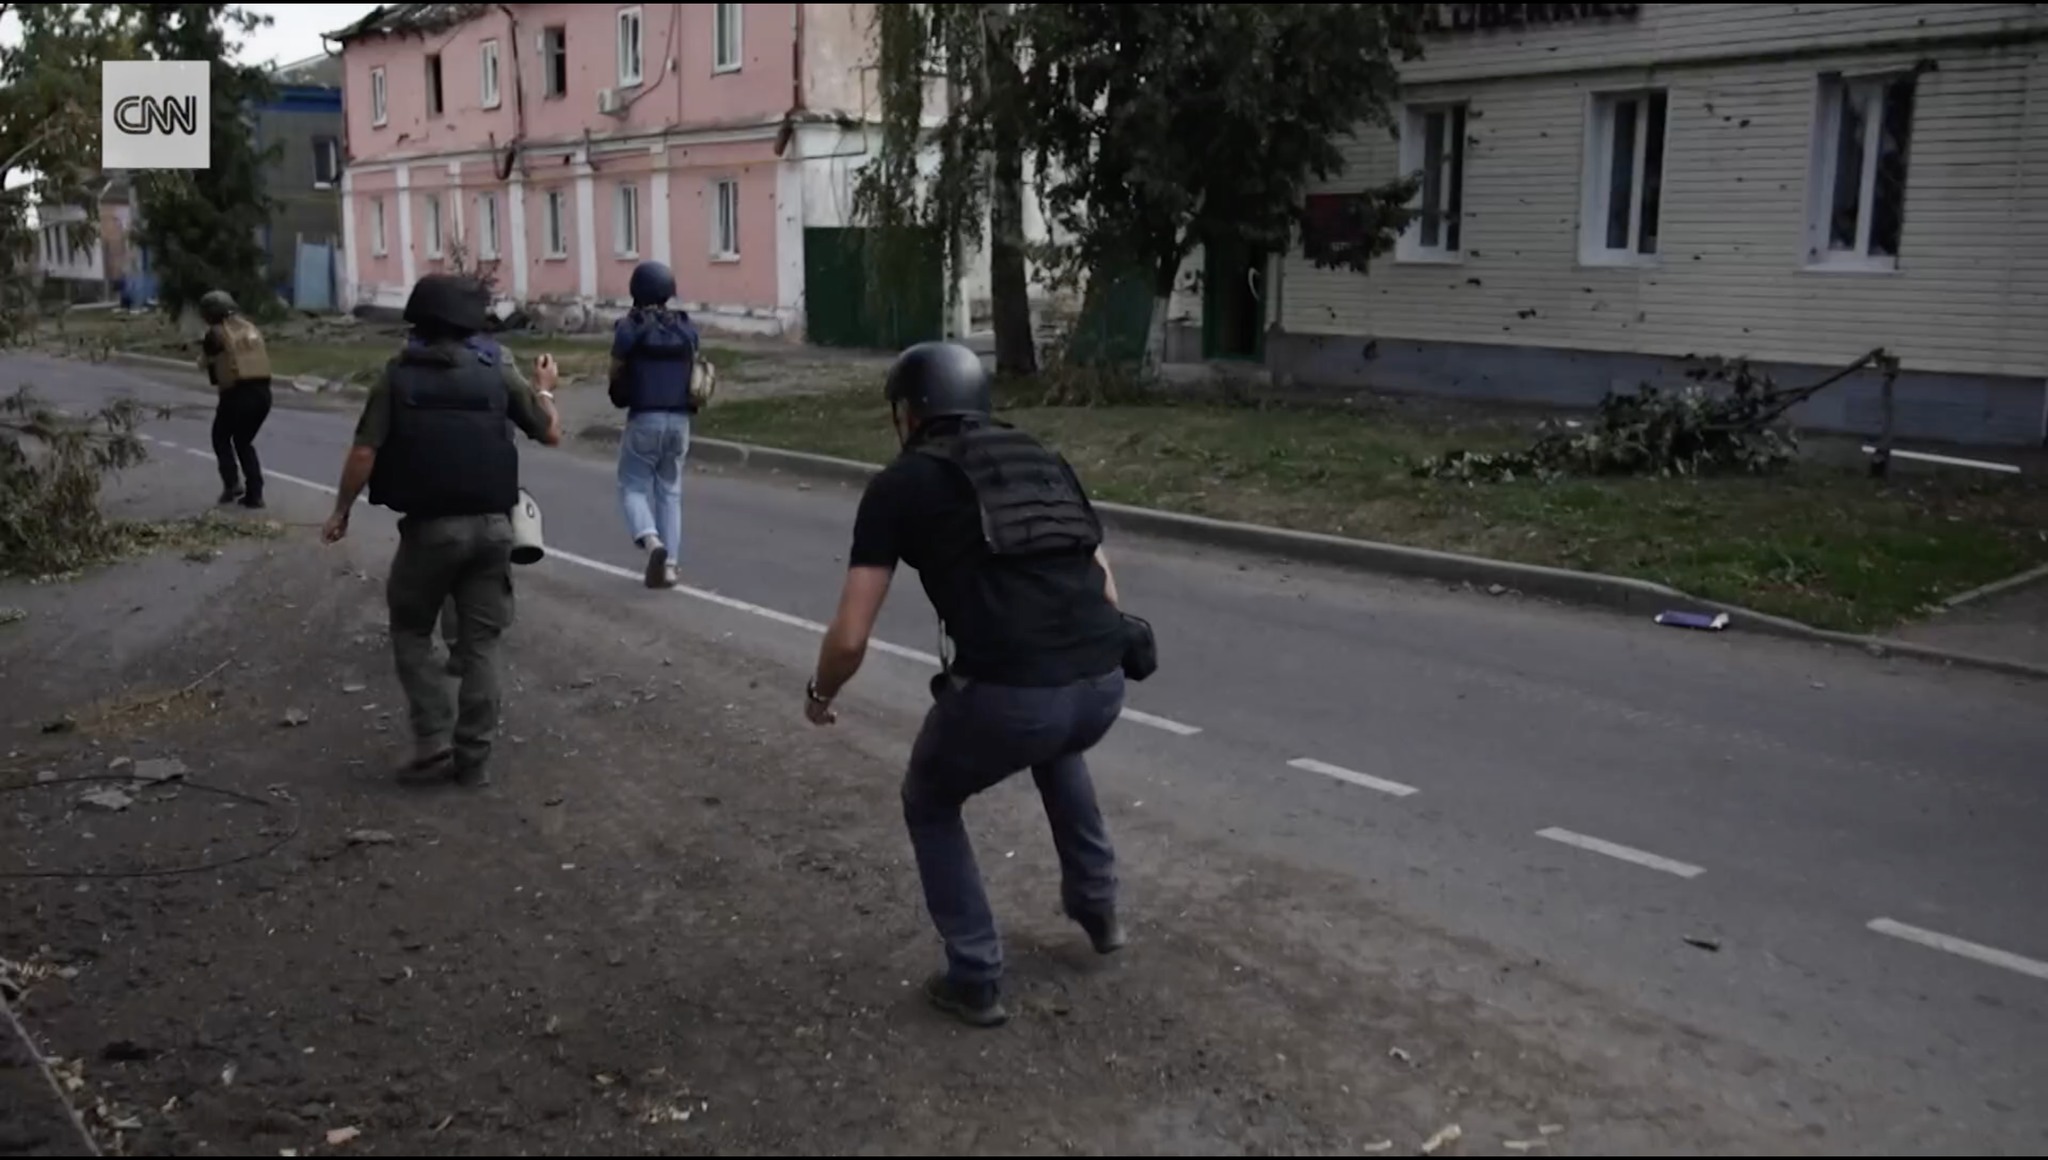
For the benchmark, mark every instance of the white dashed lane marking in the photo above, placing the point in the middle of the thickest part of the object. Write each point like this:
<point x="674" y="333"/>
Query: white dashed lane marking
<point x="1625" y="853"/>
<point x="2032" y="968"/>
<point x="1164" y="724"/>
<point x="1353" y="777"/>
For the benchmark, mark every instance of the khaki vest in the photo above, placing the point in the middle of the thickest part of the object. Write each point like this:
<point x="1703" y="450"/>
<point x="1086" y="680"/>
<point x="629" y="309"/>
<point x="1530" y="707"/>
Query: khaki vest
<point x="242" y="356"/>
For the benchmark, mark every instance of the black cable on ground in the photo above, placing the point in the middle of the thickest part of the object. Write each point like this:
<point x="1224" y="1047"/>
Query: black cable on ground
<point x="200" y="868"/>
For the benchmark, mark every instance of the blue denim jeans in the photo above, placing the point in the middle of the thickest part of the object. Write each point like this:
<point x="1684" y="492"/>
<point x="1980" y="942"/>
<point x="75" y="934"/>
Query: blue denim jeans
<point x="975" y="737"/>
<point x="651" y="476"/>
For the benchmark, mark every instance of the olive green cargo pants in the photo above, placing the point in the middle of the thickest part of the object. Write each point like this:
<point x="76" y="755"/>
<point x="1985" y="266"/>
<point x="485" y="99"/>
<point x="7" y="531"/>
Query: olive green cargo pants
<point x="466" y="562"/>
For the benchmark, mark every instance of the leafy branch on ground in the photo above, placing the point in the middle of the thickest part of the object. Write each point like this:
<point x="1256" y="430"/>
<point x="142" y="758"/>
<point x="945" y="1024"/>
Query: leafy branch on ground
<point x="1727" y="421"/>
<point x="51" y="468"/>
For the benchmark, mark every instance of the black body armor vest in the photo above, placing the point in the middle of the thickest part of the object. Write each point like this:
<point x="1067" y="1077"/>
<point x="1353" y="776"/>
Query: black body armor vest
<point x="450" y="449"/>
<point x="1031" y="502"/>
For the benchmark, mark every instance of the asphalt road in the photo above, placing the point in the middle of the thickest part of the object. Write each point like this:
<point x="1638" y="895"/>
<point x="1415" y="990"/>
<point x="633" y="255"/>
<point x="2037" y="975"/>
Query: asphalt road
<point x="1834" y="862"/>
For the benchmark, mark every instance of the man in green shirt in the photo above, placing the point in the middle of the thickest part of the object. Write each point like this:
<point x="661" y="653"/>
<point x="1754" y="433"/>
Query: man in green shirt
<point x="433" y="444"/>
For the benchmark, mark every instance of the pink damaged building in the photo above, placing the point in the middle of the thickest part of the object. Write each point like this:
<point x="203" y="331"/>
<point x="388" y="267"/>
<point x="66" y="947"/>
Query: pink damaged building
<point x="556" y="145"/>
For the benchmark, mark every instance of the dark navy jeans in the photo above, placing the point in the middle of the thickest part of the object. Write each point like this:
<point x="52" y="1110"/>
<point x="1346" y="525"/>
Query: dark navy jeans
<point x="975" y="737"/>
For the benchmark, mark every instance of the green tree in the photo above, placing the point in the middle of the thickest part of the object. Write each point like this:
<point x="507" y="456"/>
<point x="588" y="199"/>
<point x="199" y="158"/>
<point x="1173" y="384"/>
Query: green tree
<point x="1158" y="128"/>
<point x="970" y="51"/>
<point x="202" y="225"/>
<point x="50" y="132"/>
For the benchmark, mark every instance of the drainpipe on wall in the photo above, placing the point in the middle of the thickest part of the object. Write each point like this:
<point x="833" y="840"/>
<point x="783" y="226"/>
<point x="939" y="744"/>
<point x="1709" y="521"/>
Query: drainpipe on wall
<point x="796" y="60"/>
<point x="504" y="167"/>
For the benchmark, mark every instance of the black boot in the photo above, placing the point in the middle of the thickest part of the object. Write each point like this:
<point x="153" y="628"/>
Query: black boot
<point x="975" y="1004"/>
<point x="1103" y="930"/>
<point x="230" y="493"/>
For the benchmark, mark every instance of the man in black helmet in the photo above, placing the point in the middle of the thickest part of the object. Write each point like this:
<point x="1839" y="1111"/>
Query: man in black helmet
<point x="433" y="445"/>
<point x="1009" y="550"/>
<point x="238" y="366"/>
<point x="654" y="350"/>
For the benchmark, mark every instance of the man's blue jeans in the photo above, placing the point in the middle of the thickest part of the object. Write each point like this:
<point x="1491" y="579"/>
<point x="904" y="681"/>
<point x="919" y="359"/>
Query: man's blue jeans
<point x="975" y="737"/>
<point x="651" y="457"/>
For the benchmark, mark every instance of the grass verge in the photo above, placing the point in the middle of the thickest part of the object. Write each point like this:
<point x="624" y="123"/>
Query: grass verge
<point x="1824" y="545"/>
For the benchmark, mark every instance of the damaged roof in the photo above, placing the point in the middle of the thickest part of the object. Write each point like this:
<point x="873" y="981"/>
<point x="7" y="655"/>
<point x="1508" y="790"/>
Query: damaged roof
<point x="398" y="19"/>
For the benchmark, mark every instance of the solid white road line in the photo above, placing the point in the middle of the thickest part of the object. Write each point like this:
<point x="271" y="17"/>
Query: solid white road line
<point x="1625" y="853"/>
<point x="1955" y="946"/>
<point x="1353" y="776"/>
<point x="1164" y="724"/>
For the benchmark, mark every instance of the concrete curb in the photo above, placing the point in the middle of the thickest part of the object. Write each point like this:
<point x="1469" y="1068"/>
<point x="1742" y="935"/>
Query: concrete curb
<point x="1998" y="587"/>
<point x="1620" y="593"/>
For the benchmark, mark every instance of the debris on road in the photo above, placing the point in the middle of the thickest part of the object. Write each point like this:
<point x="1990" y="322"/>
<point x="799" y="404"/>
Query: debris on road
<point x="371" y="837"/>
<point x="1705" y="944"/>
<point x="112" y="801"/>
<point x="1444" y="1138"/>
<point x="1705" y="622"/>
<point x="159" y="769"/>
<point x="339" y="1136"/>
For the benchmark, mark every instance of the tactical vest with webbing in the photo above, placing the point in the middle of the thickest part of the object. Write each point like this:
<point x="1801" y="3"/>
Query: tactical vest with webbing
<point x="1031" y="502"/>
<point x="242" y="355"/>
<point x="449" y="449"/>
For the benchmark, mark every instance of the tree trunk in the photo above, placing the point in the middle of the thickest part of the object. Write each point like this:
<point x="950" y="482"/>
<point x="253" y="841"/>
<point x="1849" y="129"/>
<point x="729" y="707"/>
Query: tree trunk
<point x="1155" y="336"/>
<point x="1009" y="284"/>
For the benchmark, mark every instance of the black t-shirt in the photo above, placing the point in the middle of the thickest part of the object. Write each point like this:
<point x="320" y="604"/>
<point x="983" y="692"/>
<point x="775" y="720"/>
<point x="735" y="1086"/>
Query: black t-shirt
<point x="1039" y="622"/>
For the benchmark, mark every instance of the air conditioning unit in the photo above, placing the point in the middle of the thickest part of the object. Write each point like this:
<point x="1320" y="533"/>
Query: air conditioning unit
<point x="610" y="102"/>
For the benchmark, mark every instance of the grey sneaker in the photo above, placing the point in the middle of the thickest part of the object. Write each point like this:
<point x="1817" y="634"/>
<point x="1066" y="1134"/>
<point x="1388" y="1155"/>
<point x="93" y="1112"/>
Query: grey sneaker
<point x="657" y="565"/>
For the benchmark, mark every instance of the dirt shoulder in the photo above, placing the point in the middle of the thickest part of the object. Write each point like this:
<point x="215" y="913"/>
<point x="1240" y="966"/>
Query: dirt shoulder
<point x="684" y="922"/>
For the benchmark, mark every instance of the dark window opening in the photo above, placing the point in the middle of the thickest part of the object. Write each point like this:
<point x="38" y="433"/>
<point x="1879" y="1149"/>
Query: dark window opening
<point x="434" y="85"/>
<point x="555" y="59"/>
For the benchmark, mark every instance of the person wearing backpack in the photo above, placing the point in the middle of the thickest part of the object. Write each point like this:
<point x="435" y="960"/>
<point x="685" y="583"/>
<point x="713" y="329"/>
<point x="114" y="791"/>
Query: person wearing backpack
<point x="654" y="379"/>
<point x="1008" y="548"/>
<point x="238" y="366"/>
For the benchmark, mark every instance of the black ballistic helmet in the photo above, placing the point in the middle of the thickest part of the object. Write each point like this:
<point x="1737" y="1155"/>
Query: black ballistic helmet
<point x="939" y="380"/>
<point x="652" y="284"/>
<point x="217" y="306"/>
<point x="448" y="302"/>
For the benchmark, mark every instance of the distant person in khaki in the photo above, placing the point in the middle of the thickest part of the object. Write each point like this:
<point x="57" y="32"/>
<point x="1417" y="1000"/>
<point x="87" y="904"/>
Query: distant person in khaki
<point x="433" y="445"/>
<point x="237" y="364"/>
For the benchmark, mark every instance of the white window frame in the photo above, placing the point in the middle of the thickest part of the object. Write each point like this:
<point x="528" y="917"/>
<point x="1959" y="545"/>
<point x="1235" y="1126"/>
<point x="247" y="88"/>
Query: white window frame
<point x="1597" y="181"/>
<point x="380" y="99"/>
<point x="725" y="219"/>
<point x="633" y="66"/>
<point x="1454" y="167"/>
<point x="727" y="21"/>
<point x="488" y="71"/>
<point x="626" y="219"/>
<point x="554" y="223"/>
<point x="436" y="242"/>
<point x="1868" y="91"/>
<point x="379" y="246"/>
<point x="487" y="227"/>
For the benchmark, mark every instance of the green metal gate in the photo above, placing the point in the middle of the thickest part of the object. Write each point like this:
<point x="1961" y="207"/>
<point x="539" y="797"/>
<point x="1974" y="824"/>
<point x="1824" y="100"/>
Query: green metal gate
<point x="844" y="306"/>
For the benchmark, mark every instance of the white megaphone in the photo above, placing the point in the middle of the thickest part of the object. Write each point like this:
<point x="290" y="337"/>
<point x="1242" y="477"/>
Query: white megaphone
<point x="526" y="542"/>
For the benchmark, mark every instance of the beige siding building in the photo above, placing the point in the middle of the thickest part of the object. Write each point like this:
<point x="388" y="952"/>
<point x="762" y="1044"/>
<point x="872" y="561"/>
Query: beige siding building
<point x="1612" y="187"/>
